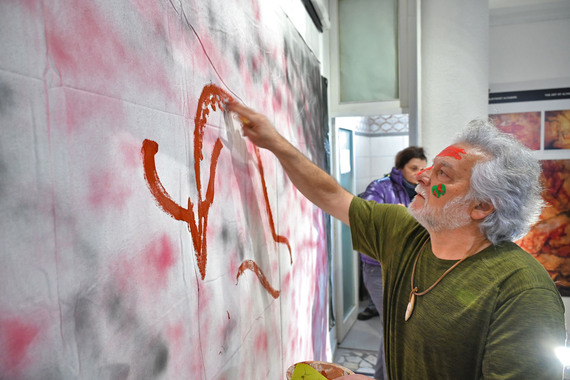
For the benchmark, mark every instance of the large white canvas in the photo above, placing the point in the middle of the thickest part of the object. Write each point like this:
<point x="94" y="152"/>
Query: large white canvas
<point x="97" y="279"/>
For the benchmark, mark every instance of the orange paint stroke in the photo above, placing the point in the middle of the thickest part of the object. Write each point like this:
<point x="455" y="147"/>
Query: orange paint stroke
<point x="252" y="266"/>
<point x="452" y="151"/>
<point x="423" y="171"/>
<point x="211" y="96"/>
<point x="277" y="238"/>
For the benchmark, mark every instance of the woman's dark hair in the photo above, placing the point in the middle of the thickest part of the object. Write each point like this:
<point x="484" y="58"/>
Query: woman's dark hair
<point x="404" y="156"/>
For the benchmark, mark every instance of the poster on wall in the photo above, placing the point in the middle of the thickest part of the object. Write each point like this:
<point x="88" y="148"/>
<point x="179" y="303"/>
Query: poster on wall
<point x="525" y="126"/>
<point x="540" y="119"/>
<point x="549" y="239"/>
<point x="557" y="129"/>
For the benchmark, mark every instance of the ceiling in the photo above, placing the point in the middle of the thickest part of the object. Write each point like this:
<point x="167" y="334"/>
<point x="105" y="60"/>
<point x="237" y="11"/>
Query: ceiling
<point x="517" y="3"/>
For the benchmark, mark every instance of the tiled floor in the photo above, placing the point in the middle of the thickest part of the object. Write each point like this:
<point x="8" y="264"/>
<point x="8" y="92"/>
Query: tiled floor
<point x="361" y="362"/>
<point x="359" y="348"/>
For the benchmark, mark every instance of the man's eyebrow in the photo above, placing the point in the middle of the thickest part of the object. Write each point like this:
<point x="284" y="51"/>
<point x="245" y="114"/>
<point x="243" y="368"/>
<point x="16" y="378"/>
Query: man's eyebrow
<point x="443" y="163"/>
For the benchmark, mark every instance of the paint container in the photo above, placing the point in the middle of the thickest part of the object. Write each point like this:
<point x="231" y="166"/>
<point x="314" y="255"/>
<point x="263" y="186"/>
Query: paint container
<point x="329" y="370"/>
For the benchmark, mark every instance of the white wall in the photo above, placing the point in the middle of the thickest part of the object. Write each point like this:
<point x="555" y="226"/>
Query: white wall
<point x="374" y="157"/>
<point x="454" y="68"/>
<point x="530" y="45"/>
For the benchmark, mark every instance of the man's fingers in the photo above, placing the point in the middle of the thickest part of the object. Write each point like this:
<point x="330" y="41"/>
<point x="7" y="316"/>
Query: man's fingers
<point x="244" y="113"/>
<point x="241" y="110"/>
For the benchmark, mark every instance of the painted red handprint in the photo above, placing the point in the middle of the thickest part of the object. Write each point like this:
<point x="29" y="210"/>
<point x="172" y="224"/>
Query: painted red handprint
<point x="211" y="97"/>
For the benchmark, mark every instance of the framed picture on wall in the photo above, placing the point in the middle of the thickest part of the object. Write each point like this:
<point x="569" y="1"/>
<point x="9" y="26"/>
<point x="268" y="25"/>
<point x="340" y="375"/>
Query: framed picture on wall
<point x="525" y="126"/>
<point x="549" y="239"/>
<point x="557" y="129"/>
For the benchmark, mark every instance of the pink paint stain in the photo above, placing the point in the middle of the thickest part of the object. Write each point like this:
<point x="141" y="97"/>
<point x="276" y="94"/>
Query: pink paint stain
<point x="302" y="207"/>
<point x="233" y="265"/>
<point x="202" y="61"/>
<point x="148" y="271"/>
<point x="261" y="342"/>
<point x="277" y="102"/>
<point x="108" y="189"/>
<point x="286" y="283"/>
<point x="175" y="334"/>
<point x="256" y="11"/>
<point x="16" y="339"/>
<point x="82" y="112"/>
<point x="160" y="257"/>
<point x="152" y="12"/>
<point x="90" y="49"/>
<point x="84" y="25"/>
<point x="204" y="297"/>
<point x="31" y="5"/>
<point x="130" y="152"/>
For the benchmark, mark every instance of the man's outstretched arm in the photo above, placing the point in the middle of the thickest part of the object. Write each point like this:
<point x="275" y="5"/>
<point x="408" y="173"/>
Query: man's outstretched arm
<point x="313" y="182"/>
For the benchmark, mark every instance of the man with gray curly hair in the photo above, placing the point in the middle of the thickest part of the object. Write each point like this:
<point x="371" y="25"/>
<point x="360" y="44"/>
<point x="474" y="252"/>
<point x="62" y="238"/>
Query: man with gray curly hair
<point x="461" y="300"/>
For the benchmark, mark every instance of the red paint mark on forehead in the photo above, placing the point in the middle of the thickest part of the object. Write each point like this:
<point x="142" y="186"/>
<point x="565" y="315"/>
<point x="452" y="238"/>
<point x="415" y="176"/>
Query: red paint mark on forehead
<point x="452" y="151"/>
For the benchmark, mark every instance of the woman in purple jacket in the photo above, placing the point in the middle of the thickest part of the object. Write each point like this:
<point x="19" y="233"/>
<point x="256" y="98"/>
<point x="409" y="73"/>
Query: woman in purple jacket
<point x="398" y="187"/>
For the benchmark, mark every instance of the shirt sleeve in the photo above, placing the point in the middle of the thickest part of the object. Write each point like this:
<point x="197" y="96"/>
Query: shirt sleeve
<point x="522" y="336"/>
<point x="378" y="229"/>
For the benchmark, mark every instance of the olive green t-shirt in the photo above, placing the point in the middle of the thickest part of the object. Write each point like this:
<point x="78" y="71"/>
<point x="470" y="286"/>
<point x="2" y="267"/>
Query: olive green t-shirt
<point x="497" y="315"/>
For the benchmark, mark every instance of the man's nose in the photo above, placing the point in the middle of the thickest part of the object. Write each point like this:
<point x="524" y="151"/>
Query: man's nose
<point x="423" y="175"/>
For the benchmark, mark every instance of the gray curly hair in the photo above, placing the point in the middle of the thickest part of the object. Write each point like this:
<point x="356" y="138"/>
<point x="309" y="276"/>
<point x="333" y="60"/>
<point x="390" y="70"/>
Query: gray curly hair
<point x="510" y="180"/>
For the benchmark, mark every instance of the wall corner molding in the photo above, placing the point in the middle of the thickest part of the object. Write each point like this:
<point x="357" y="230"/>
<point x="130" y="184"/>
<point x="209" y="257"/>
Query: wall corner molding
<point x="557" y="10"/>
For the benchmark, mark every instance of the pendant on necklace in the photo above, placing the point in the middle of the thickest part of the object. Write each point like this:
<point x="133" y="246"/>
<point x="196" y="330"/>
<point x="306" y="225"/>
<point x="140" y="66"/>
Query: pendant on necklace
<point x="410" y="308"/>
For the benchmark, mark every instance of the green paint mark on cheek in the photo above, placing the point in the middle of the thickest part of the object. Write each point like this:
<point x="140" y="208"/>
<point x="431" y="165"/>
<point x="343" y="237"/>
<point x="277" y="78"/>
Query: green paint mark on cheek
<point x="438" y="190"/>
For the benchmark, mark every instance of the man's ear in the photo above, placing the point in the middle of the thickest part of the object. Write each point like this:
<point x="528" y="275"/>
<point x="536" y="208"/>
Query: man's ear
<point x="481" y="210"/>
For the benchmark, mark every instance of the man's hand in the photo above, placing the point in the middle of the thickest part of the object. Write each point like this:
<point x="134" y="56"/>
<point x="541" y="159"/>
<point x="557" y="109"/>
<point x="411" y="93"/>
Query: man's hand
<point x="256" y="127"/>
<point x="313" y="182"/>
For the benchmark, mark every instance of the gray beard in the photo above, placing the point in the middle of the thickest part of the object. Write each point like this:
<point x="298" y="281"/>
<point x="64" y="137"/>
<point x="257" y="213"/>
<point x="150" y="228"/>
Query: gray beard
<point x="452" y="216"/>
